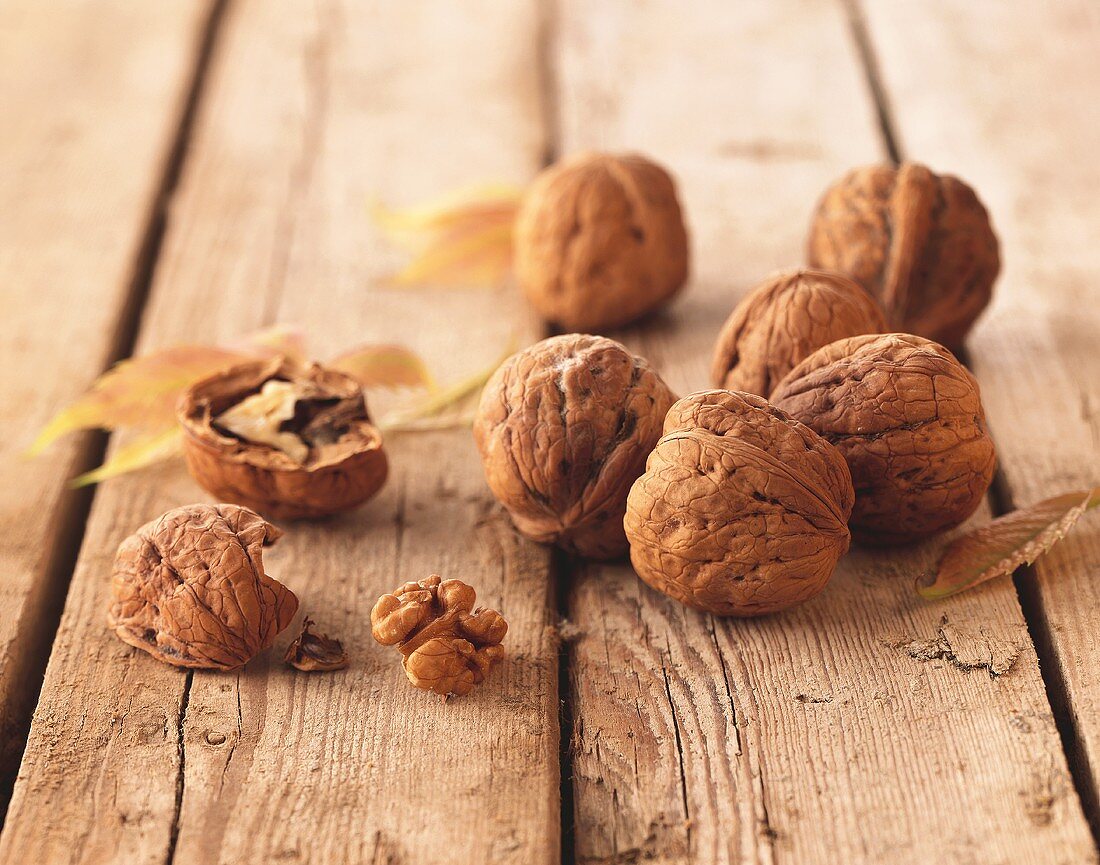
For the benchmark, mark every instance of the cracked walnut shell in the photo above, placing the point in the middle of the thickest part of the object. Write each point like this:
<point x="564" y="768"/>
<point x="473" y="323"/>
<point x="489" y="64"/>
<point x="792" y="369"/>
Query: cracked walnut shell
<point x="564" y="428"/>
<point x="742" y="510"/>
<point x="448" y="646"/>
<point x="189" y="588"/>
<point x="287" y="440"/>
<point x="785" y="320"/>
<point x="600" y="241"/>
<point x="908" y="418"/>
<point x="920" y="242"/>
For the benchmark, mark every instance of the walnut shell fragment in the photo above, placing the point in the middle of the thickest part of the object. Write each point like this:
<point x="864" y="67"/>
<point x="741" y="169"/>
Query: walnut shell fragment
<point x="313" y="651"/>
<point x="600" y="241"/>
<point x="288" y="440"/>
<point x="783" y="321"/>
<point x="189" y="588"/>
<point x="448" y="646"/>
<point x="908" y="418"/>
<point x="920" y="242"/>
<point x="564" y="428"/>
<point x="742" y="511"/>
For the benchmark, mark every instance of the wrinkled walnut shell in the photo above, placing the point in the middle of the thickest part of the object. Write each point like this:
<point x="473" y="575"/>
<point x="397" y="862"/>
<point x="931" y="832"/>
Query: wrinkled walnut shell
<point x="314" y="652"/>
<point x="783" y="321"/>
<point x="189" y="588"/>
<point x="338" y="475"/>
<point x="564" y="428"/>
<point x="600" y="241"/>
<point x="908" y="418"/>
<point x="921" y="243"/>
<point x="448" y="646"/>
<point x="742" y="511"/>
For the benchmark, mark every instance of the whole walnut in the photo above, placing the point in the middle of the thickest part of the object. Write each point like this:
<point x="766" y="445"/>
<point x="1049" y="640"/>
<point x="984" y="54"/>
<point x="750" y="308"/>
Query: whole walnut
<point x="563" y="429"/>
<point x="189" y="588"/>
<point x="741" y="511"/>
<point x="922" y="243"/>
<point x="908" y="418"/>
<point x="288" y="440"/>
<point x="600" y="241"/>
<point x="448" y="646"/>
<point x="783" y="321"/>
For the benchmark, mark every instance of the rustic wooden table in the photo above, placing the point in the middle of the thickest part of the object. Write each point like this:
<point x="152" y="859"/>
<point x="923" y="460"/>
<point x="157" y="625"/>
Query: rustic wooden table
<point x="191" y="170"/>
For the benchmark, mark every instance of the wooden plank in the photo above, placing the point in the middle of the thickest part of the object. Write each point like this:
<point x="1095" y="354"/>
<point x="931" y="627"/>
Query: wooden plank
<point x="92" y="96"/>
<point x="312" y="110"/>
<point x="1018" y="117"/>
<point x="866" y="725"/>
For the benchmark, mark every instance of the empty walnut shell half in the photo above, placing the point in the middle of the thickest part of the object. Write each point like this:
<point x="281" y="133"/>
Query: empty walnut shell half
<point x="448" y="646"/>
<point x="600" y="241"/>
<point x="189" y="588"/>
<point x="287" y="440"/>
<point x="564" y="428"/>
<point x="742" y="511"/>
<point x="908" y="418"/>
<point x="783" y="321"/>
<point x="922" y="243"/>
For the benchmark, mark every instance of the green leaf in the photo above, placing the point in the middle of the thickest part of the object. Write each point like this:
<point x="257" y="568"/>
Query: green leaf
<point x="999" y="548"/>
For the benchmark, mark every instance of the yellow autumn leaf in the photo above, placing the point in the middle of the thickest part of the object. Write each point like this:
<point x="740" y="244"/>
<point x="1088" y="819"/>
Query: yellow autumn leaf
<point x="145" y="451"/>
<point x="278" y="339"/>
<point x="384" y="366"/>
<point x="140" y="392"/>
<point x="998" y="548"/>
<point x="466" y="239"/>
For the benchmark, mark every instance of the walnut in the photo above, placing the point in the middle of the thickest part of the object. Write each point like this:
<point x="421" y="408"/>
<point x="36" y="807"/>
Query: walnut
<point x="448" y="645"/>
<point x="741" y="511"/>
<point x="600" y="241"/>
<point x="315" y="652"/>
<point x="189" y="588"/>
<point x="907" y="416"/>
<point x="920" y="242"/>
<point x="287" y="440"/>
<point x="564" y="428"/>
<point x="783" y="321"/>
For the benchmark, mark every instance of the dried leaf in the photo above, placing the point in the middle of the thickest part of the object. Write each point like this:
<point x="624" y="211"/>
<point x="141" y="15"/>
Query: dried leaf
<point x="997" y="549"/>
<point x="141" y="392"/>
<point x="464" y="240"/>
<point x="384" y="366"/>
<point x="279" y="339"/>
<point x="138" y="454"/>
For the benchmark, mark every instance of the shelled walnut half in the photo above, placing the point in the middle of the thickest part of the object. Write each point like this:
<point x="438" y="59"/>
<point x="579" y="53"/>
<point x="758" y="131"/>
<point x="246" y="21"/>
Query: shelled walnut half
<point x="741" y="511"/>
<point x="783" y="321"/>
<point x="448" y="646"/>
<point x="921" y="242"/>
<point x="288" y="440"/>
<point x="189" y="588"/>
<point x="908" y="418"/>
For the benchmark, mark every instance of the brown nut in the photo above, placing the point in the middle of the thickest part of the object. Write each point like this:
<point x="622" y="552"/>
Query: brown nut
<point x="189" y="588"/>
<point x="741" y="511"/>
<point x="783" y="321"/>
<point x="908" y="418"/>
<point x="287" y="440"/>
<point x="600" y="241"/>
<point x="314" y="652"/>
<point x="448" y="645"/>
<point x="922" y="243"/>
<point x="563" y="429"/>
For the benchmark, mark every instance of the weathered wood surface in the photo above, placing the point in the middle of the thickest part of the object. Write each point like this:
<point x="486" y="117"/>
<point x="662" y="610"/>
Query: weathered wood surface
<point x="867" y="725"/>
<point x="91" y="97"/>
<point x="311" y="110"/>
<point x="1017" y="115"/>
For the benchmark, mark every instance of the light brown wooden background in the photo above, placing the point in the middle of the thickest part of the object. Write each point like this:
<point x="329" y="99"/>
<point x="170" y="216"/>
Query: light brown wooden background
<point x="191" y="170"/>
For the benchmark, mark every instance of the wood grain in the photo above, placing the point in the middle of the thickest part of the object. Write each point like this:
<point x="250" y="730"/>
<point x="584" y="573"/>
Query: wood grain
<point x="867" y="725"/>
<point x="311" y="111"/>
<point x="1018" y="117"/>
<point x="92" y="96"/>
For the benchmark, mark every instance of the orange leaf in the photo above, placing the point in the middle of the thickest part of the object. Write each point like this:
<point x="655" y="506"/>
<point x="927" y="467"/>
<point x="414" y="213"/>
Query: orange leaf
<point x="997" y="549"/>
<point x="275" y="340"/>
<point x="138" y="454"/>
<point x="141" y="392"/>
<point x="384" y="366"/>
